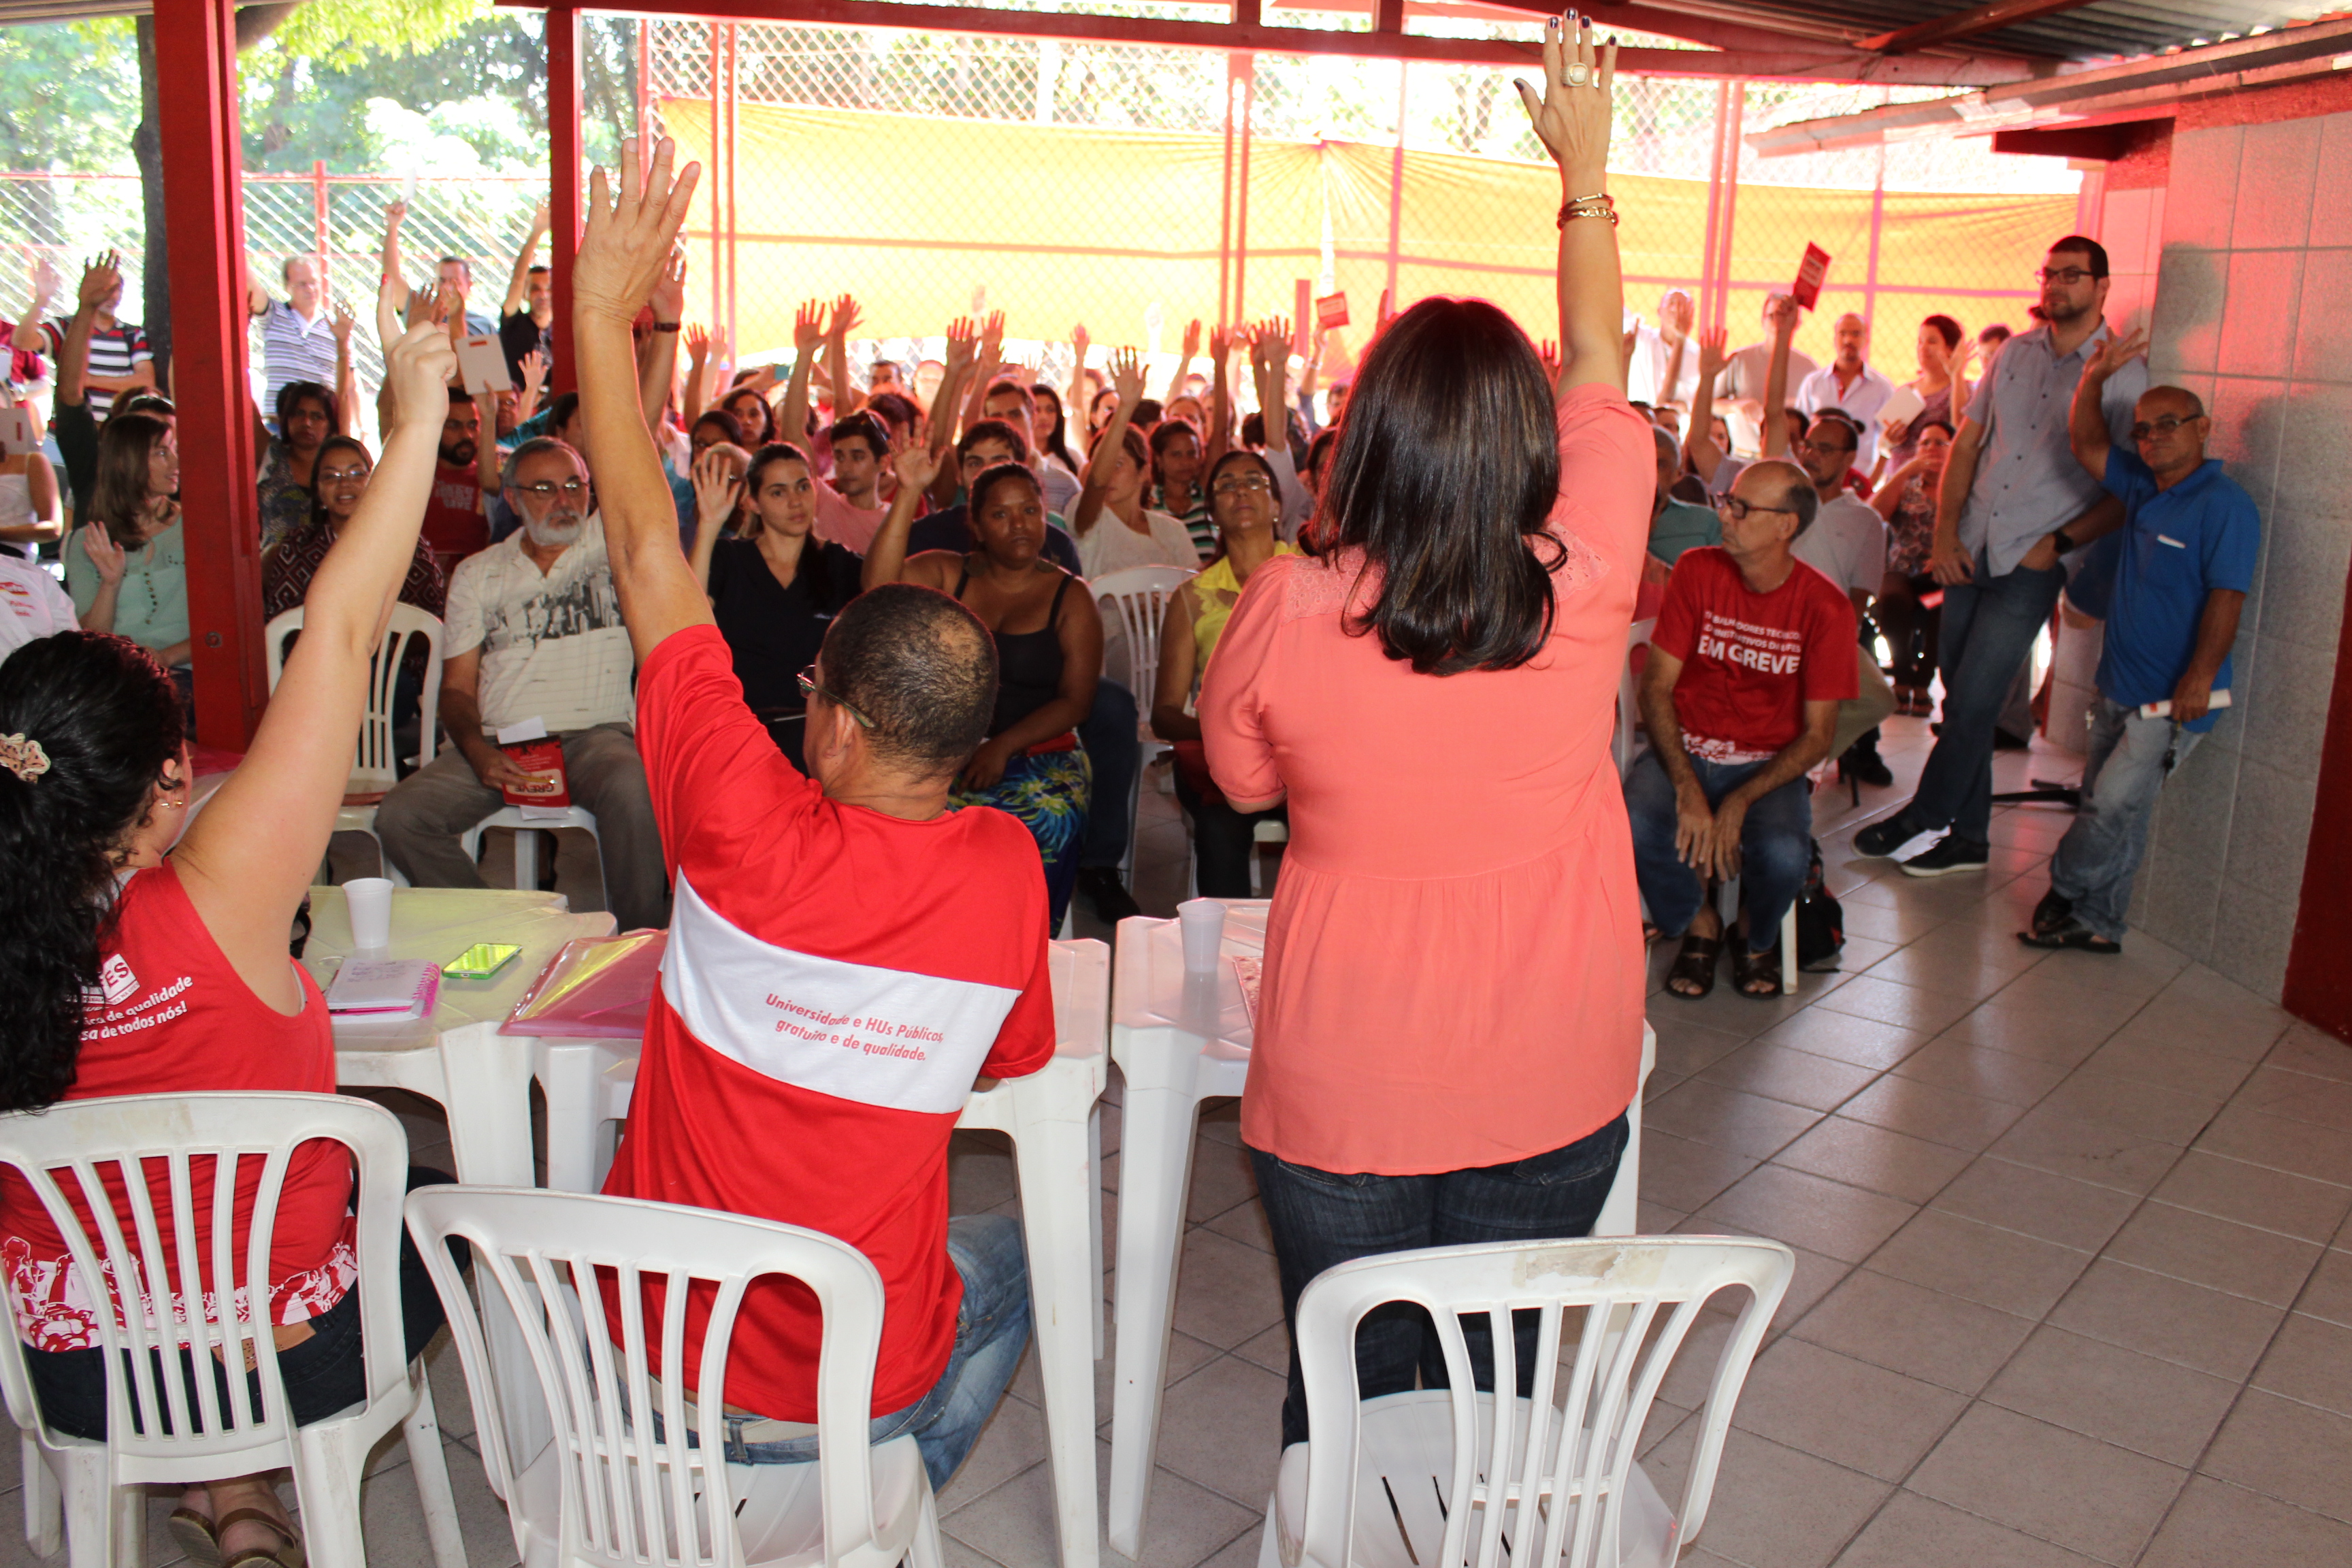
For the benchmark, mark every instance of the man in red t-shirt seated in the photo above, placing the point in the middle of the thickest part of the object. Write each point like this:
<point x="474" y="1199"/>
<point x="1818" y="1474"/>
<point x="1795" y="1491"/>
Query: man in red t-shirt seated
<point x="1753" y="652"/>
<point x="846" y="957"/>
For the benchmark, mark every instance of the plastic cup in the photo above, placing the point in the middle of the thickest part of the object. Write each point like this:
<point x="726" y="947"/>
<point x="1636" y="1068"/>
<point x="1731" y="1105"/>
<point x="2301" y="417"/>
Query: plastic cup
<point x="369" y="900"/>
<point x="1204" y="923"/>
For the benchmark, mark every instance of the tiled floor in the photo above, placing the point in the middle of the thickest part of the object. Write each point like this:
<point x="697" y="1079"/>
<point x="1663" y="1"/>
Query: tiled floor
<point x="2073" y="1279"/>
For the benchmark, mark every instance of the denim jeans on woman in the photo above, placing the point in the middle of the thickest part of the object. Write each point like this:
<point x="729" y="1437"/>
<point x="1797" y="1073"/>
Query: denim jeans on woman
<point x="2129" y="760"/>
<point x="1321" y="1218"/>
<point x="991" y="1330"/>
<point x="1776" y="846"/>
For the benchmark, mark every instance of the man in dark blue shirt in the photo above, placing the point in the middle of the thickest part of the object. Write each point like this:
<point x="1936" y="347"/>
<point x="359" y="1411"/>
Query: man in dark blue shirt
<point x="2181" y="569"/>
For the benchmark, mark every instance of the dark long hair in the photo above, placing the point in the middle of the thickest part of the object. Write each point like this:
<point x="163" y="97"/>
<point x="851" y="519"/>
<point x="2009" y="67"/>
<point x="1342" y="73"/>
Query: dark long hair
<point x="294" y="391"/>
<point x="118" y="498"/>
<point x="109" y="719"/>
<point x="1447" y="467"/>
<point x="1058" y="442"/>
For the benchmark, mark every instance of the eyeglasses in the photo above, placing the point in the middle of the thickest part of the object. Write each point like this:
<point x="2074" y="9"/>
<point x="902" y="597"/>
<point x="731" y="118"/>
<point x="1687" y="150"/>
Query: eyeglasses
<point x="1827" y="448"/>
<point x="1737" y="510"/>
<point x="2163" y="426"/>
<point x="808" y="687"/>
<point x="570" y="489"/>
<point x="2069" y="276"/>
<point x="1238" y="483"/>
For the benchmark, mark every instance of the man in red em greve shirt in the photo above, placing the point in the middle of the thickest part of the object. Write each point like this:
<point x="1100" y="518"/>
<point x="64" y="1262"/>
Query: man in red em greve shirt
<point x="846" y="957"/>
<point x="1753" y="652"/>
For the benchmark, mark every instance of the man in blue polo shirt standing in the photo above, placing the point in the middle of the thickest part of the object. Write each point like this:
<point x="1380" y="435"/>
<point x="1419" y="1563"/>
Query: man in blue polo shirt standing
<point x="2182" y="567"/>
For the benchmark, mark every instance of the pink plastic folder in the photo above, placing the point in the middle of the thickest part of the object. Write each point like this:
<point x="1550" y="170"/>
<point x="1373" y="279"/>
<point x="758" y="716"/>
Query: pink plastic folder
<point x="595" y="987"/>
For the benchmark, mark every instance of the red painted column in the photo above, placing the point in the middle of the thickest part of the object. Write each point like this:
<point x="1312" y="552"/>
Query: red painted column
<point x="205" y="226"/>
<point x="565" y="190"/>
<point x="2319" y="963"/>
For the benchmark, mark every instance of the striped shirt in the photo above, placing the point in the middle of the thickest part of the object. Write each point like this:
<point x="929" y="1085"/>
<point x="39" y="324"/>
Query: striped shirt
<point x="294" y="350"/>
<point x="113" y="352"/>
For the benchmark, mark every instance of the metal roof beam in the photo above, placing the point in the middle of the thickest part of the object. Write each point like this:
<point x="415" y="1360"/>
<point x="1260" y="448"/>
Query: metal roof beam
<point x="1965" y="24"/>
<point x="1792" y="60"/>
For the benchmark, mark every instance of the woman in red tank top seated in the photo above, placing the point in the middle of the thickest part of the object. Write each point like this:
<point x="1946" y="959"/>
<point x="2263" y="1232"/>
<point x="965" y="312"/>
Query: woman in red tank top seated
<point x="111" y="901"/>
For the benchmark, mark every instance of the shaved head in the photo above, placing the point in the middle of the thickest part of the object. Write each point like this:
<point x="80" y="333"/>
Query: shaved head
<point x="2178" y="401"/>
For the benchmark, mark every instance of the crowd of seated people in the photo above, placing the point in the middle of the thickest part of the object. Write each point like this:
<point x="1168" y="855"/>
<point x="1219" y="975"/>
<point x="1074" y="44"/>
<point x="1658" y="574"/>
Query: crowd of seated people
<point x="870" y="759"/>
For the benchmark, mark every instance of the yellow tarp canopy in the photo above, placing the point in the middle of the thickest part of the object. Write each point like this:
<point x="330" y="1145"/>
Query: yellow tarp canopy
<point x="925" y="219"/>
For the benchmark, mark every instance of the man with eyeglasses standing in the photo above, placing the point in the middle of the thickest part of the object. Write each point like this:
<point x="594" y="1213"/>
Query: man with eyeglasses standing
<point x="534" y="633"/>
<point x="2180" y="571"/>
<point x="2013" y="502"/>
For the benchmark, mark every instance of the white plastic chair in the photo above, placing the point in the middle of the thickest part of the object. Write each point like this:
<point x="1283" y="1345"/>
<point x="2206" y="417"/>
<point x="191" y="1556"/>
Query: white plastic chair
<point x="1556" y="1473"/>
<point x="611" y="1492"/>
<point x="1629" y="708"/>
<point x="526" y="844"/>
<point x="93" y="1489"/>
<point x="1138" y="598"/>
<point x="376" y="764"/>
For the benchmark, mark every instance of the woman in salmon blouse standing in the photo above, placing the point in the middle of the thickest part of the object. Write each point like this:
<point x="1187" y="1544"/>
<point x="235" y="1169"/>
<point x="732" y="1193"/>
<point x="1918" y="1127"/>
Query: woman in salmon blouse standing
<point x="1431" y="690"/>
<point x="112" y="900"/>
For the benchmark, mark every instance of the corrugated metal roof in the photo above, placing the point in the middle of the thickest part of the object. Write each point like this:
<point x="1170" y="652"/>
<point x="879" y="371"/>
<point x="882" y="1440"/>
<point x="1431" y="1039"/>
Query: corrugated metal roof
<point x="2102" y="29"/>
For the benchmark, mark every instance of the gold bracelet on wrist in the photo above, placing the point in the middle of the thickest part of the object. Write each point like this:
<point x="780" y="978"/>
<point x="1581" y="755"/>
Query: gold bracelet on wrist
<point x="1600" y="205"/>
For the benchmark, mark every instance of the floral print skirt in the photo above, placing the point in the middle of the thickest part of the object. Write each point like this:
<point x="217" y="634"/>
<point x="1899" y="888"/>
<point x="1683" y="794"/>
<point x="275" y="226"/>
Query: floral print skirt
<point x="1050" y="794"/>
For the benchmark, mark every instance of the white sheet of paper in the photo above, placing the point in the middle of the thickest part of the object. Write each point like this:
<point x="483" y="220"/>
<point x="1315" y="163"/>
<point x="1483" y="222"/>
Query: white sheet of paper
<point x="483" y="364"/>
<point x="1902" y="406"/>
<point x="18" y="431"/>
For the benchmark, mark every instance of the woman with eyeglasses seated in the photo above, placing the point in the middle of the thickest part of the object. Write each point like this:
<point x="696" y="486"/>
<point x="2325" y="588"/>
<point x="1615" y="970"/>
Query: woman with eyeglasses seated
<point x="340" y="479"/>
<point x="775" y="590"/>
<point x="1049" y="648"/>
<point x="1242" y="499"/>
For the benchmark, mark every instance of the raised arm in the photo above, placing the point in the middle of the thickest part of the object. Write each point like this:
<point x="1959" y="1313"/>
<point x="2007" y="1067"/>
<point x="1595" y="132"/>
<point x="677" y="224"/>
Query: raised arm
<point x="658" y="362"/>
<point x="347" y="405"/>
<point x="846" y="400"/>
<point x="808" y="332"/>
<point x="1775" y="423"/>
<point x="990" y="360"/>
<point x="1571" y="118"/>
<point x="1191" y="351"/>
<point x="1221" y="400"/>
<point x="99" y="282"/>
<point x="390" y="259"/>
<point x="519" y="280"/>
<point x="717" y="489"/>
<point x="886" y="556"/>
<point x="31" y="333"/>
<point x="1127" y="380"/>
<point x="624" y="250"/>
<point x="2086" y="421"/>
<point x="247" y="861"/>
<point x="1075" y="392"/>
<point x="963" y="347"/>
<point x="1698" y="441"/>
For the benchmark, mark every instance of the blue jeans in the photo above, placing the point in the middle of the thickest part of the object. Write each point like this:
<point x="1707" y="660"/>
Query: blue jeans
<point x="2099" y="856"/>
<point x="1110" y="737"/>
<point x="1321" y="1218"/>
<point x="991" y="1330"/>
<point x="1776" y="846"/>
<point x="1990" y="624"/>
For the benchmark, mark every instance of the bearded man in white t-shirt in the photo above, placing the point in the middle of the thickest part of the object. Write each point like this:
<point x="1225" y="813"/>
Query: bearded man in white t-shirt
<point x="534" y="633"/>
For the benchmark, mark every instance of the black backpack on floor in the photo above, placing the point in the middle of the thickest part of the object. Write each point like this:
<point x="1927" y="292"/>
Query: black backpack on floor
<point x="1821" y="922"/>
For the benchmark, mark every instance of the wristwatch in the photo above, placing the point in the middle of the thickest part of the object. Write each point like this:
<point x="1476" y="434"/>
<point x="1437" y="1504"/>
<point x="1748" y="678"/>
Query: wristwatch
<point x="2066" y="546"/>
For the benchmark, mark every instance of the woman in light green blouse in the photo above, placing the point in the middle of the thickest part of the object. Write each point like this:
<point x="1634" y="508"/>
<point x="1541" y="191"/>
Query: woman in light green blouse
<point x="126" y="567"/>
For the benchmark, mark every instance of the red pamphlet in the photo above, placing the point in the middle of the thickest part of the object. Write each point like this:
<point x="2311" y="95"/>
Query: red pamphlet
<point x="1331" y="310"/>
<point x="1811" y="274"/>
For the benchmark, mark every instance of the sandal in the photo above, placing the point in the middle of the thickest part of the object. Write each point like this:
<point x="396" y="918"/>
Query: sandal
<point x="1749" y="968"/>
<point x="2053" y="915"/>
<point x="199" y="1543"/>
<point x="288" y="1556"/>
<point x="1695" y="965"/>
<point x="2072" y="934"/>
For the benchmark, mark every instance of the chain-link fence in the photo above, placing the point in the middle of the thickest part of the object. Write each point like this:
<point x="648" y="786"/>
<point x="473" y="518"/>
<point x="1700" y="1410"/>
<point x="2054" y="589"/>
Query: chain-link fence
<point x="338" y="220"/>
<point x="1135" y="187"/>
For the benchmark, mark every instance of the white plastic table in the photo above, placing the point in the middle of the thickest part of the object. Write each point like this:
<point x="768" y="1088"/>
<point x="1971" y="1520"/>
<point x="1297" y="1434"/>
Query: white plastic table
<point x="1180" y="1039"/>
<point x="456" y="1057"/>
<point x="1057" y="1151"/>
